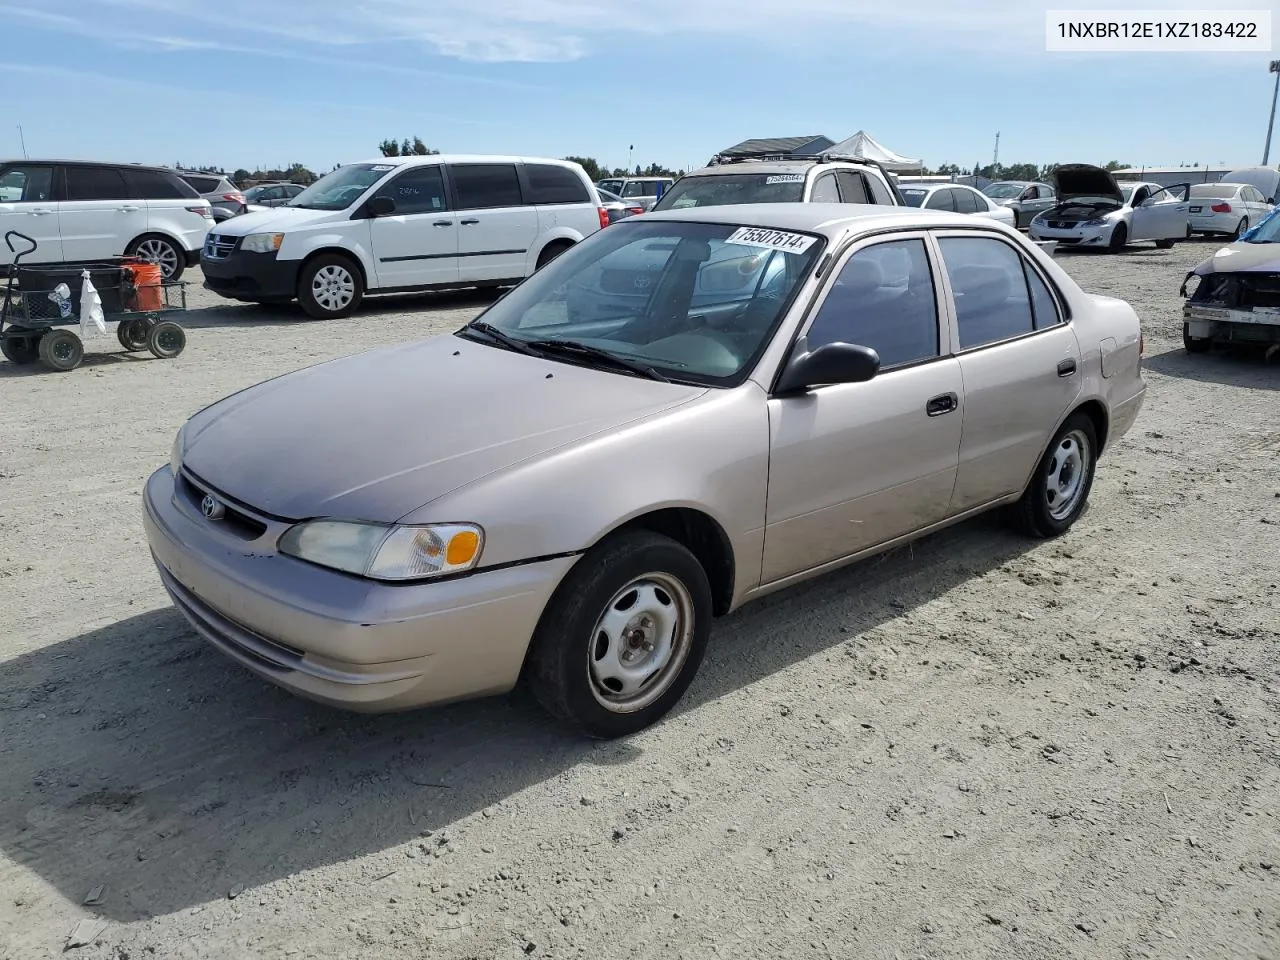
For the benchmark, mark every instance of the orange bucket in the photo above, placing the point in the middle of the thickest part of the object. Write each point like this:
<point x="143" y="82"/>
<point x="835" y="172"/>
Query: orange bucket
<point x="148" y="278"/>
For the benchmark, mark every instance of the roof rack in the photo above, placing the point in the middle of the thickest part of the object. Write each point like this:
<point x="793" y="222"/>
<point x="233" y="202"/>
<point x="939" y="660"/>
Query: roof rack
<point x="720" y="158"/>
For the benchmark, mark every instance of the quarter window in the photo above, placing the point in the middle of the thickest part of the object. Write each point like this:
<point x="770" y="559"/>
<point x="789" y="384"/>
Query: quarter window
<point x="1043" y="306"/>
<point x="417" y="190"/>
<point x="26" y="185"/>
<point x="153" y="185"/>
<point x="95" y="183"/>
<point x="989" y="286"/>
<point x="486" y="185"/>
<point x="883" y="299"/>
<point x="552" y="184"/>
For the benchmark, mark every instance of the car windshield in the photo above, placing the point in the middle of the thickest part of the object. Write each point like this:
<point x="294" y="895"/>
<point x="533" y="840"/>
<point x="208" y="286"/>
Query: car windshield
<point x="341" y="188"/>
<point x="728" y="188"/>
<point x="1213" y="190"/>
<point x="1002" y="191"/>
<point x="692" y="302"/>
<point x="1267" y="231"/>
<point x="914" y="195"/>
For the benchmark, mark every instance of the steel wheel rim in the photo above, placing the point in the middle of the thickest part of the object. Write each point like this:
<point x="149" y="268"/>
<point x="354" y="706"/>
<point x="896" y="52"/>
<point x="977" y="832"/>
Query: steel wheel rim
<point x="333" y="287"/>
<point x="157" y="251"/>
<point x="640" y="643"/>
<point x="167" y="340"/>
<point x="1064" y="480"/>
<point x="61" y="350"/>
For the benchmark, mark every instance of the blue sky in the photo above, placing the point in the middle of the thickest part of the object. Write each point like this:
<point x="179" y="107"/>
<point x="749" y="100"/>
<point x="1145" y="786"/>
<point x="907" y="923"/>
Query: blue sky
<point x="239" y="83"/>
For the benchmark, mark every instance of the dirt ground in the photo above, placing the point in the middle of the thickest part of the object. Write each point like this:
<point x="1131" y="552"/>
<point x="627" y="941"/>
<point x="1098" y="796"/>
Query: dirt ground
<point x="975" y="747"/>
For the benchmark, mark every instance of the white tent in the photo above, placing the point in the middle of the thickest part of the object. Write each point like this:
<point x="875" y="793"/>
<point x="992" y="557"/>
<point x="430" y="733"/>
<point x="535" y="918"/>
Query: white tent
<point x="862" y="145"/>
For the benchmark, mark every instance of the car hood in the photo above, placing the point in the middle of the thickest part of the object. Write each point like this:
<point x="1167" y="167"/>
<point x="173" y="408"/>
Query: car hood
<point x="1085" y="180"/>
<point x="1242" y="258"/>
<point x="272" y="220"/>
<point x="378" y="435"/>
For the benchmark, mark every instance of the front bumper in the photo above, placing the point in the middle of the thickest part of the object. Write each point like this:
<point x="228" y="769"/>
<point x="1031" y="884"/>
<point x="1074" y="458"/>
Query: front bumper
<point x="1259" y="325"/>
<point x="338" y="639"/>
<point x="1073" y="236"/>
<point x="250" y="276"/>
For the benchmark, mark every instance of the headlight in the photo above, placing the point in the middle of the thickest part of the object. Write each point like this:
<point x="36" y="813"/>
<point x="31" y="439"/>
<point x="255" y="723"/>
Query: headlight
<point x="386" y="552"/>
<point x="175" y="453"/>
<point x="262" y="242"/>
<point x="1095" y="222"/>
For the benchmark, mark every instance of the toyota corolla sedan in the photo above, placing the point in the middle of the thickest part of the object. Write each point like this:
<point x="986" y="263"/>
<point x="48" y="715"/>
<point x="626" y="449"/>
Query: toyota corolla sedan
<point x="569" y="499"/>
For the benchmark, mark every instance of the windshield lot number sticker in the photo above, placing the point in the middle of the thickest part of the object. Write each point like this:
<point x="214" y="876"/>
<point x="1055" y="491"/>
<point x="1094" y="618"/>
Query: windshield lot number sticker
<point x="771" y="239"/>
<point x="785" y="178"/>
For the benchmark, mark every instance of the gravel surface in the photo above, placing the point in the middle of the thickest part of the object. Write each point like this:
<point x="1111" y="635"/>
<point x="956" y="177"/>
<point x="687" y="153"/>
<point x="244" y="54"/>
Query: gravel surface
<point x="978" y="746"/>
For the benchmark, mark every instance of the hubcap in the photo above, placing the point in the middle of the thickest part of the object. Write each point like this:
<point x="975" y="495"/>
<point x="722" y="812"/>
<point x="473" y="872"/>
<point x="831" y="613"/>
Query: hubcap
<point x="640" y="642"/>
<point x="157" y="251"/>
<point x="1068" y="466"/>
<point x="333" y="287"/>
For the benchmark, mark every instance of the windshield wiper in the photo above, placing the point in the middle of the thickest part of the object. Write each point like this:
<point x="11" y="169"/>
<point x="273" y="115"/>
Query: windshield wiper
<point x="510" y="342"/>
<point x="575" y="349"/>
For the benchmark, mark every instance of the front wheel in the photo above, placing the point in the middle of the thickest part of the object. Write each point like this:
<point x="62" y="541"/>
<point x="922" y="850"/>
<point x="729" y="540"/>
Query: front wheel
<point x="330" y="287"/>
<point x="1059" y="489"/>
<point x="21" y="349"/>
<point x="61" y="350"/>
<point x="623" y="636"/>
<point x="1164" y="244"/>
<point x="1119" y="237"/>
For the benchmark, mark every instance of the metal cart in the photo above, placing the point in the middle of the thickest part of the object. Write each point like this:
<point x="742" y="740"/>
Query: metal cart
<point x="41" y="302"/>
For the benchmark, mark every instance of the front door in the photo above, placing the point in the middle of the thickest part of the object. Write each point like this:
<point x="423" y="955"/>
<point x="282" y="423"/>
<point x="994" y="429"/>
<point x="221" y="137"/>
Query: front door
<point x="1164" y="215"/>
<point x="417" y="243"/>
<point x="496" y="228"/>
<point x="854" y="465"/>
<point x="98" y="217"/>
<point x="27" y="207"/>
<point x="1020" y="363"/>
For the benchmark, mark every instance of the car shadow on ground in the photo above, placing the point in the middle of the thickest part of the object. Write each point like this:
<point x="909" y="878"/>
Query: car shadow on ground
<point x="137" y="758"/>
<point x="1234" y="366"/>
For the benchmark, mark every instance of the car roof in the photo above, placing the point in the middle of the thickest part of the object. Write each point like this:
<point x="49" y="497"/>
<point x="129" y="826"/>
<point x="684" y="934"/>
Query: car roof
<point x="830" y="219"/>
<point x="44" y="161"/>
<point x="462" y="158"/>
<point x="763" y="166"/>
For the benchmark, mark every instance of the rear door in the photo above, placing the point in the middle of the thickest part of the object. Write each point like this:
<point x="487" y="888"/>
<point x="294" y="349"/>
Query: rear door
<point x="1019" y="360"/>
<point x="418" y="243"/>
<point x="28" y="206"/>
<point x="98" y="216"/>
<point x="496" y="227"/>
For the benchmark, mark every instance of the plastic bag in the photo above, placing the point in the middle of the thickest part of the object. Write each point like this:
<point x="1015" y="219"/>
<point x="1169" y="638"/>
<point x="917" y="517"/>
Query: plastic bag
<point x="91" y="315"/>
<point x="61" y="298"/>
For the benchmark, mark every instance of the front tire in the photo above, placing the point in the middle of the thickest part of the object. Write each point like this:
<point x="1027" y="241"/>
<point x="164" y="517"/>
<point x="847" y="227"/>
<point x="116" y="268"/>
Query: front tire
<point x="21" y="349"/>
<point x="623" y="636"/>
<point x="1195" y="344"/>
<point x="161" y="250"/>
<point x="1164" y="244"/>
<point x="1059" y="488"/>
<point x="1119" y="237"/>
<point x="61" y="350"/>
<point x="330" y="287"/>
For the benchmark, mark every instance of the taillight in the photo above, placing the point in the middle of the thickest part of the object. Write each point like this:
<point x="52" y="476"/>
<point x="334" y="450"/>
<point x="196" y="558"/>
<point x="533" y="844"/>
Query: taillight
<point x="1221" y="208"/>
<point x="237" y="197"/>
<point x="604" y="217"/>
<point x="205" y="212"/>
<point x="635" y="211"/>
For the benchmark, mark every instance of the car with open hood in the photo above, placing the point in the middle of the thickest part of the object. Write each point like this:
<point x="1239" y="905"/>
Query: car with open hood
<point x="1234" y="295"/>
<point x="1097" y="212"/>
<point x="569" y="500"/>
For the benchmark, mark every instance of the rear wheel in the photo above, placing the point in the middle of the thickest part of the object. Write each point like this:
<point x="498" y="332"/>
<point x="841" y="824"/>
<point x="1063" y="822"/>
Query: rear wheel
<point x="551" y="251"/>
<point x="21" y="349"/>
<point x="1241" y="228"/>
<point x="1164" y="244"/>
<point x="166" y="340"/>
<point x="1195" y="344"/>
<point x="1119" y="237"/>
<point x="330" y="287"/>
<point x="1059" y="489"/>
<point x="61" y="350"/>
<point x="132" y="333"/>
<point x="162" y="251"/>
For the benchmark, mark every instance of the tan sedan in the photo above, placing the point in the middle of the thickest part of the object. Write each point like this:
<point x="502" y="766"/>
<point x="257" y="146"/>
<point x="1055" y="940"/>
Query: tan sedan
<point x="684" y="412"/>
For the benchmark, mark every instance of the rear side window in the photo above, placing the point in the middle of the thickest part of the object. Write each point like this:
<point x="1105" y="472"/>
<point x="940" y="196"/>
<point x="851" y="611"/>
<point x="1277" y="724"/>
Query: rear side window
<point x="940" y="200"/>
<point x="964" y="201"/>
<point x="417" y="190"/>
<point x="853" y="187"/>
<point x="26" y="184"/>
<point x="879" y="192"/>
<point x="989" y="286"/>
<point x="154" y="185"/>
<point x="486" y="185"/>
<point x="96" y="183"/>
<point x="203" y="184"/>
<point x="552" y="184"/>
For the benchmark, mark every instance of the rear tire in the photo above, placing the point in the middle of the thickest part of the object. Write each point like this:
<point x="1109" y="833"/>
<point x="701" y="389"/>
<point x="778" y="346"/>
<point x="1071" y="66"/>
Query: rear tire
<point x="1164" y="244"/>
<point x="635" y="603"/>
<point x="61" y="350"/>
<point x="166" y="340"/>
<point x="1241" y="228"/>
<point x="330" y="287"/>
<point x="161" y="250"/>
<point x="132" y="333"/>
<point x="551" y="251"/>
<point x="1119" y="237"/>
<point x="21" y="349"/>
<point x="1195" y="344"/>
<point x="1059" y="489"/>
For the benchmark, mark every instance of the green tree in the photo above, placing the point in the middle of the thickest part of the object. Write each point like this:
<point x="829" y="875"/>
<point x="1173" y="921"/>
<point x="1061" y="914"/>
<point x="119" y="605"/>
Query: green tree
<point x="389" y="148"/>
<point x="241" y="175"/>
<point x="1114" y="165"/>
<point x="590" y="165"/>
<point x="420" y="149"/>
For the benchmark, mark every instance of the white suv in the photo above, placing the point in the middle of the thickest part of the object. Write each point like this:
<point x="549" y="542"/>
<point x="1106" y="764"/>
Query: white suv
<point x="783" y="178"/>
<point x="400" y="224"/>
<point x="78" y="211"/>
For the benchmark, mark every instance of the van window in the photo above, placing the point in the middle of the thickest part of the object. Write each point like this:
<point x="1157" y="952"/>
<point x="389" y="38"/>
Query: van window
<point x="552" y="184"/>
<point x="96" y="183"/>
<point x="486" y="185"/>
<point x="417" y="190"/>
<point x="154" y="185"/>
<point x="26" y="184"/>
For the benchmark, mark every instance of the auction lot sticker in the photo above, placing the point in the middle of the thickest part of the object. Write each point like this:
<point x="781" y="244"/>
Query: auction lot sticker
<point x="771" y="239"/>
<point x="1158" y="31"/>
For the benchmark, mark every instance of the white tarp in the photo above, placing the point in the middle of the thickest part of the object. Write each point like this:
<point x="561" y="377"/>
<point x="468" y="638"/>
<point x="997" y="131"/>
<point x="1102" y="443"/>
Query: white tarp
<point x="862" y="145"/>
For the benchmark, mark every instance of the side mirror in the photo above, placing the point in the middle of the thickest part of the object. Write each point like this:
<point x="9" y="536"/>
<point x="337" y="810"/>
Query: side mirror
<point x="382" y="206"/>
<point x="831" y="363"/>
<point x="1271" y="200"/>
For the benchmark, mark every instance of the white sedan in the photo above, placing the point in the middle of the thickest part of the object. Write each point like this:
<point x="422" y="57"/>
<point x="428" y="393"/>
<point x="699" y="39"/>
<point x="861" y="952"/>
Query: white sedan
<point x="954" y="197"/>
<point x="1093" y="210"/>
<point x="1230" y="208"/>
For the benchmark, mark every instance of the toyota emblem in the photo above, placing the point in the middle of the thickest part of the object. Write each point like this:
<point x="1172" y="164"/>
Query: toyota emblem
<point x="642" y="283"/>
<point x="211" y="508"/>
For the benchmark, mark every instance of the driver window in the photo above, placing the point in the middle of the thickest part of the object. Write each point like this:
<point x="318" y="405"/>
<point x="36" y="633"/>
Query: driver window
<point x="883" y="298"/>
<point x="1140" y="195"/>
<point x="1031" y="193"/>
<point x="26" y="185"/>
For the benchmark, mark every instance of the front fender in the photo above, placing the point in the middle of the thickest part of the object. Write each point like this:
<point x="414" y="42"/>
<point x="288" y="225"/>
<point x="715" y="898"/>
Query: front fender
<point x="353" y="242"/>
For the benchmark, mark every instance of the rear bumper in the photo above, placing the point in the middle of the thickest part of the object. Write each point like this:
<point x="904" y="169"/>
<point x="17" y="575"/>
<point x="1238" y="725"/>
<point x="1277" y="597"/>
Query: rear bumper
<point x="250" y="276"/>
<point x="1215" y="222"/>
<point x="1125" y="414"/>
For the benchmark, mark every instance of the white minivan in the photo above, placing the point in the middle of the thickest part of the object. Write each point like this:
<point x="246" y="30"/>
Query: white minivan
<point x="400" y="224"/>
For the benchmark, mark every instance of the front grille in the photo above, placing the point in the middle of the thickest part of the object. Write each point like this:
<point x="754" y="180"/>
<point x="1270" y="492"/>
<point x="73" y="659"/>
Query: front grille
<point x="1061" y="224"/>
<point x="234" y="520"/>
<point x="1260" y="289"/>
<point x="1240" y="290"/>
<point x="218" y="246"/>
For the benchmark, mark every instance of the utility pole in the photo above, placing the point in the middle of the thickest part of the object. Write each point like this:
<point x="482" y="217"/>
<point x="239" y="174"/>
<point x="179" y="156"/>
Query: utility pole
<point x="630" y="150"/>
<point x="995" y="160"/>
<point x="23" y="140"/>
<point x="1266" y="151"/>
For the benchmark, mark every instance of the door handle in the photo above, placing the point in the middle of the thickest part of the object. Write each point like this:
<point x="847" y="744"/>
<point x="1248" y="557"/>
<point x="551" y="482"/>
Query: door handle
<point x="467" y="223"/>
<point x="443" y="223"/>
<point x="40" y="213"/>
<point x="130" y="209"/>
<point x="1066" y="368"/>
<point x="942" y="404"/>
